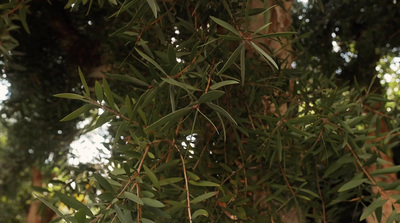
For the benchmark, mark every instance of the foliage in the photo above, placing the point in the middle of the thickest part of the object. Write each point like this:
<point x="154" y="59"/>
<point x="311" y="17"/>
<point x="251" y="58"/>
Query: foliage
<point x="209" y="128"/>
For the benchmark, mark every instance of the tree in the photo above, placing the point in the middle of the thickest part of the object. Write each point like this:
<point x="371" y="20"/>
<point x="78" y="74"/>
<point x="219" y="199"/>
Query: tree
<point x="208" y="126"/>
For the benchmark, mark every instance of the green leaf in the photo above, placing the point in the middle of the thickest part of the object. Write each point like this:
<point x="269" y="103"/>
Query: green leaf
<point x="152" y="202"/>
<point x="156" y="65"/>
<point x="221" y="111"/>
<point x="80" y="216"/>
<point x="108" y="93"/>
<point x="145" y="220"/>
<point x="279" y="144"/>
<point x="122" y="218"/>
<point x="85" y="86"/>
<point x="77" y="113"/>
<point x="185" y="86"/>
<point x="243" y="65"/>
<point x="271" y="35"/>
<point x="74" y="203"/>
<point x="193" y="176"/>
<point x="203" y="197"/>
<point x="199" y="213"/>
<point x="372" y="207"/>
<point x="232" y="58"/>
<point x="203" y="183"/>
<point x="51" y="206"/>
<point x="104" y="183"/>
<point x="388" y="170"/>
<point x="69" y="96"/>
<point x="172" y="116"/>
<point x="222" y="84"/>
<point x="264" y="55"/>
<point x="133" y="197"/>
<point x="171" y="180"/>
<point x="151" y="176"/>
<point x="352" y="184"/>
<point x="225" y="25"/>
<point x="22" y="17"/>
<point x="154" y="7"/>
<point x="99" y="91"/>
<point x="129" y="79"/>
<point x="210" y="96"/>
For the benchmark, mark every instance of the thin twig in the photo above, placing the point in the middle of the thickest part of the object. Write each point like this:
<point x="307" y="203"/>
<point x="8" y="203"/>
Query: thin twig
<point x="320" y="194"/>
<point x="186" y="184"/>
<point x="209" y="75"/>
<point x="286" y="180"/>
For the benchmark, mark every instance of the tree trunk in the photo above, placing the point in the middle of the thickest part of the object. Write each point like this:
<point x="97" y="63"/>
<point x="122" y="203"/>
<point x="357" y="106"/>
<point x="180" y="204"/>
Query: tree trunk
<point x="34" y="214"/>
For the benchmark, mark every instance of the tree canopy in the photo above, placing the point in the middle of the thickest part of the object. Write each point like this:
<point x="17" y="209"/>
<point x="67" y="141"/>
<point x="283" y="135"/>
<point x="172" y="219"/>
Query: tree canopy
<point x="210" y="121"/>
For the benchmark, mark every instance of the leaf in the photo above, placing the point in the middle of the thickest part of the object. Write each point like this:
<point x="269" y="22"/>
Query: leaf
<point x="185" y="86"/>
<point x="152" y="176"/>
<point x="221" y="111"/>
<point x="145" y="220"/>
<point x="120" y="215"/>
<point x="156" y="65"/>
<point x="22" y="17"/>
<point x="154" y="7"/>
<point x="203" y="197"/>
<point x="352" y="184"/>
<point x="372" y="207"/>
<point x="222" y="84"/>
<point x="232" y="58"/>
<point x="80" y="216"/>
<point x="271" y="35"/>
<point x="264" y="55"/>
<point x="225" y="25"/>
<point x="129" y="79"/>
<point x="243" y="65"/>
<point x="108" y="93"/>
<point x="202" y="183"/>
<point x="210" y="96"/>
<point x="51" y="206"/>
<point x="172" y="116"/>
<point x="392" y="169"/>
<point x="77" y="113"/>
<point x="74" y="203"/>
<point x="133" y="197"/>
<point x="152" y="202"/>
<point x="98" y="91"/>
<point x="85" y="86"/>
<point x="69" y="96"/>
<point x="104" y="183"/>
<point x="279" y="144"/>
<point x="171" y="180"/>
<point x="199" y="212"/>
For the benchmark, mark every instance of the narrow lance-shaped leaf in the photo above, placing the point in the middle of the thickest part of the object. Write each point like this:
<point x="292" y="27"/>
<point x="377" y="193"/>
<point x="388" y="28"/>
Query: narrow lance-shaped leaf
<point x="222" y="84"/>
<point x="199" y="213"/>
<point x="108" y="93"/>
<point x="172" y="116"/>
<point x="264" y="55"/>
<point x="221" y="111"/>
<point x="77" y="113"/>
<point x="133" y="197"/>
<point x="51" y="206"/>
<point x="372" y="207"/>
<point x="85" y="86"/>
<point x="232" y="58"/>
<point x="152" y="176"/>
<point x="156" y="65"/>
<point x="202" y="183"/>
<point x="104" y="183"/>
<point x="99" y="91"/>
<point x="22" y="17"/>
<point x="225" y="25"/>
<point x="203" y="197"/>
<point x="210" y="96"/>
<point x="80" y="216"/>
<point x="154" y="7"/>
<point x="152" y="202"/>
<point x="243" y="64"/>
<point x="388" y="170"/>
<point x="352" y="184"/>
<point x="69" y="96"/>
<point x="74" y="203"/>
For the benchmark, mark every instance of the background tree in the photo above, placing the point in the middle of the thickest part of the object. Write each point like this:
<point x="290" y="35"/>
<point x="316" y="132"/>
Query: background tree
<point x="200" y="125"/>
